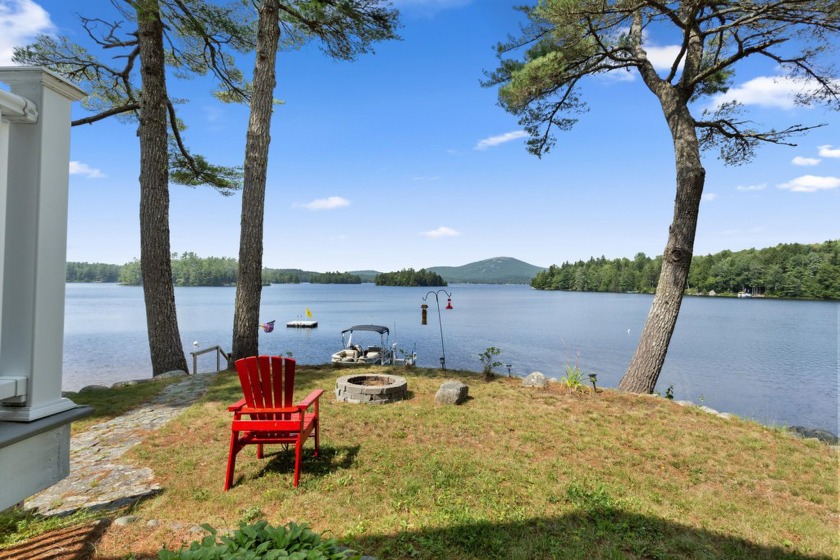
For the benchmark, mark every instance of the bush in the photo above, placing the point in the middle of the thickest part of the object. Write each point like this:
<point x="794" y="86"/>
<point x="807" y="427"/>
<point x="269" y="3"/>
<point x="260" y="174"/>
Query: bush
<point x="573" y="379"/>
<point x="489" y="362"/>
<point x="261" y="541"/>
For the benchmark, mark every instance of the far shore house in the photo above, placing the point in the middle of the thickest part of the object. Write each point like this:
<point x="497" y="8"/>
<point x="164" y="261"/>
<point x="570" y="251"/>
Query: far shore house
<point x="34" y="172"/>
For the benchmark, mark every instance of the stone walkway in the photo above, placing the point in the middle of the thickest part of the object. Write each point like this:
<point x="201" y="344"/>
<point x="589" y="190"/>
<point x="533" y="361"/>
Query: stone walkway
<point x="98" y="478"/>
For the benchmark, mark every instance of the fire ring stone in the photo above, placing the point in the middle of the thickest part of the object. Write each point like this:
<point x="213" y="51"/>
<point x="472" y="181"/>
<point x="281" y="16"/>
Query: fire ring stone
<point x="371" y="389"/>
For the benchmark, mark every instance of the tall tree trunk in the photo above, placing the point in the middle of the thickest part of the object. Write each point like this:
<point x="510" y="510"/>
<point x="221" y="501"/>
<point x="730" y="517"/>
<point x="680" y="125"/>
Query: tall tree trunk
<point x="647" y="362"/>
<point x="249" y="279"/>
<point x="155" y="260"/>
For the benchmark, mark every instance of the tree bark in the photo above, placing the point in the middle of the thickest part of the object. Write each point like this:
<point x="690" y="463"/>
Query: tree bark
<point x="646" y="365"/>
<point x="249" y="279"/>
<point x="155" y="259"/>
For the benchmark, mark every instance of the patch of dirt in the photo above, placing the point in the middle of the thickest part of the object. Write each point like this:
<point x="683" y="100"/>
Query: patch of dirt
<point x="70" y="543"/>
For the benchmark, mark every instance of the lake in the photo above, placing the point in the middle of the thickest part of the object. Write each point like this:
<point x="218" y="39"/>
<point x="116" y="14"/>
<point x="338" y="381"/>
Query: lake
<point x="771" y="360"/>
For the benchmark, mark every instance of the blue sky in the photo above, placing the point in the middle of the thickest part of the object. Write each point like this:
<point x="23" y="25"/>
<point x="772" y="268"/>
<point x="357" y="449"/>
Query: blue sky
<point x="401" y="159"/>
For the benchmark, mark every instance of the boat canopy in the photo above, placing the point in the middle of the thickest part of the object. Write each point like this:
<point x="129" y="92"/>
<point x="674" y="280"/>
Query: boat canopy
<point x="373" y="328"/>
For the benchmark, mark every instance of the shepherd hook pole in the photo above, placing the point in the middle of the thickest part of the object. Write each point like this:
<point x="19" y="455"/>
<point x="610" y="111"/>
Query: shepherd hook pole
<point x="440" y="323"/>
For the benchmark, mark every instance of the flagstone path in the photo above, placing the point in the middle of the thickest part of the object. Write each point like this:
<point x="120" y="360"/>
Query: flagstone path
<point x="99" y="478"/>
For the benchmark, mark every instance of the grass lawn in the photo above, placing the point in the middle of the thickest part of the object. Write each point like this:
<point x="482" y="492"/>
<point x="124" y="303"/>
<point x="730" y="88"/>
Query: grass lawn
<point x="513" y="473"/>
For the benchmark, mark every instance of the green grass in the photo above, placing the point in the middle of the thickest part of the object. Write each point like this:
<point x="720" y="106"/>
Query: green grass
<point x="512" y="473"/>
<point x="18" y="526"/>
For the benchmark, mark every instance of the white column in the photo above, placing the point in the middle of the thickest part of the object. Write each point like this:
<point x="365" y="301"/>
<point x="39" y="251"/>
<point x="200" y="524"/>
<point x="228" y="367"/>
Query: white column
<point x="35" y="245"/>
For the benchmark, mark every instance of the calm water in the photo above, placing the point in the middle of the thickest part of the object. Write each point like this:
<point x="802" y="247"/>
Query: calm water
<point x="774" y="361"/>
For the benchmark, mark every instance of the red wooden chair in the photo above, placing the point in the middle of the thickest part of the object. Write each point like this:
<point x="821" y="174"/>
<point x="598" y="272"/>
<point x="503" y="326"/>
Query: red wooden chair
<point x="267" y="414"/>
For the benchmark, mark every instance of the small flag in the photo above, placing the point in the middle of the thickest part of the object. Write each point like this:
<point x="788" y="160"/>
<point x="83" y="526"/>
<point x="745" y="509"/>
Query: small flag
<point x="308" y="313"/>
<point x="268" y="327"/>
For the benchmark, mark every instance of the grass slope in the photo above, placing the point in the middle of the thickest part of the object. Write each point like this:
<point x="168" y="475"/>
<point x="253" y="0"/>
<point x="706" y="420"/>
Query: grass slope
<point x="514" y="473"/>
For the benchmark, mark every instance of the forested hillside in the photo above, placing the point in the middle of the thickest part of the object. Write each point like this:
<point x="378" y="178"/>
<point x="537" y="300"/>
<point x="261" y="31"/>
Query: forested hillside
<point x="787" y="270"/>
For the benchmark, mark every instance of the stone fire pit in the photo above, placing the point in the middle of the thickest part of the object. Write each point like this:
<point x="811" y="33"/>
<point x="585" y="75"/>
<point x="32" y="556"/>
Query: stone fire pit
<point x="371" y="389"/>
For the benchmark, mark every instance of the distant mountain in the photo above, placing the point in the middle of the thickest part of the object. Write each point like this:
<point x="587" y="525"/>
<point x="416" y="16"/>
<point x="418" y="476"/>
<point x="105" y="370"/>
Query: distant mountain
<point x="366" y="275"/>
<point x="498" y="270"/>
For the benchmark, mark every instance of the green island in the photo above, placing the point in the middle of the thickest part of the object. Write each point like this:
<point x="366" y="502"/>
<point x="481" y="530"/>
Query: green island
<point x="579" y="474"/>
<point x="410" y="277"/>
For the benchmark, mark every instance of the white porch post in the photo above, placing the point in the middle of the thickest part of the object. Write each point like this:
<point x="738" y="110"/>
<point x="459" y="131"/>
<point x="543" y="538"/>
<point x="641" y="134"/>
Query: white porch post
<point x="34" y="247"/>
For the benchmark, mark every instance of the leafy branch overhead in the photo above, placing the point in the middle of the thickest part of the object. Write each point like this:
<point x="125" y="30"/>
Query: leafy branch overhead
<point x="197" y="38"/>
<point x="541" y="74"/>
<point x="343" y="29"/>
<point x="567" y="41"/>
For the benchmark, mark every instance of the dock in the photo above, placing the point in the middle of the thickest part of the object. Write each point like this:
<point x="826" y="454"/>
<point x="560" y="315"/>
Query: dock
<point x="302" y="324"/>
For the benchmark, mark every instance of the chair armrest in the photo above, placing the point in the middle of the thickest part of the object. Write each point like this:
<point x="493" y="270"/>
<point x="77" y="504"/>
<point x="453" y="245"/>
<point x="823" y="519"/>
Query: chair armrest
<point x="310" y="398"/>
<point x="237" y="405"/>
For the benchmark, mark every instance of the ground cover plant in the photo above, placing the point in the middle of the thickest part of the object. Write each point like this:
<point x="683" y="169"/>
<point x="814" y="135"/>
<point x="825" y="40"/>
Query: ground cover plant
<point x="514" y="472"/>
<point x="261" y="541"/>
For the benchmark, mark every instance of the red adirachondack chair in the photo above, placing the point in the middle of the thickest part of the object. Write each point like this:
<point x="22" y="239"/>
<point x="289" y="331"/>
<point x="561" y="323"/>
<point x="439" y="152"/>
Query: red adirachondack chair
<point x="267" y="415"/>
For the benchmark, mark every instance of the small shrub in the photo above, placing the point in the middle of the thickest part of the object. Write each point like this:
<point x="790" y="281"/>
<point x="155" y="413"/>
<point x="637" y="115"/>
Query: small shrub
<point x="573" y="379"/>
<point x="261" y="541"/>
<point x="488" y="361"/>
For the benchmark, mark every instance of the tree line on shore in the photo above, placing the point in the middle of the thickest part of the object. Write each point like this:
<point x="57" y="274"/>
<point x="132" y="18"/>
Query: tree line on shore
<point x="787" y="270"/>
<point x="188" y="269"/>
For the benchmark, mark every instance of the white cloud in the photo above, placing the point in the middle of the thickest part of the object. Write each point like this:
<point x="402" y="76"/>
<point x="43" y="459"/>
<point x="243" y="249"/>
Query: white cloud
<point x="326" y="203"/>
<point x="500" y="139"/>
<point x="805" y="161"/>
<point x="759" y="187"/>
<point x="442" y="231"/>
<point x="828" y="151"/>
<point x="709" y="196"/>
<point x="20" y="22"/>
<point x="79" y="168"/>
<point x="662" y="58"/>
<point x="767" y="91"/>
<point x="811" y="183"/>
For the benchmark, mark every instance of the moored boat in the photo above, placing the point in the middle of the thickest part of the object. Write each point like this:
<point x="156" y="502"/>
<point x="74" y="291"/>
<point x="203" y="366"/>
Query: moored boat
<point x="354" y="352"/>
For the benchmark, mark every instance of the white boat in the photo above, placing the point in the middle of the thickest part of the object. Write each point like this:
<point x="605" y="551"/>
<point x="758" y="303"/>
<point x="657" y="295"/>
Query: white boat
<point x="354" y="352"/>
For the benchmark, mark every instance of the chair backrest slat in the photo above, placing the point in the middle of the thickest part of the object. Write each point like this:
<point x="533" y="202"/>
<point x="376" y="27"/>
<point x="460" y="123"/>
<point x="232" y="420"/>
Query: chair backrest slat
<point x="289" y="387"/>
<point x="267" y="381"/>
<point x="277" y="381"/>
